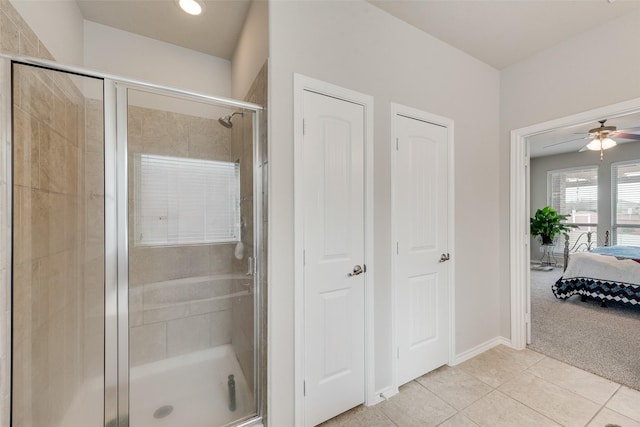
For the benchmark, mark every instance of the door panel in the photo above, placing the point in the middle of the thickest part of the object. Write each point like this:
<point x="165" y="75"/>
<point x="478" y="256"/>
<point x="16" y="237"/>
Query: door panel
<point x="422" y="224"/>
<point x="423" y="310"/>
<point x="334" y="244"/>
<point x="58" y="248"/>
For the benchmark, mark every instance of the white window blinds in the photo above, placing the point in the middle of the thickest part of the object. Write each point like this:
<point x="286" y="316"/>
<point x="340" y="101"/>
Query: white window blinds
<point x="185" y="201"/>
<point x="575" y="192"/>
<point x="625" y="179"/>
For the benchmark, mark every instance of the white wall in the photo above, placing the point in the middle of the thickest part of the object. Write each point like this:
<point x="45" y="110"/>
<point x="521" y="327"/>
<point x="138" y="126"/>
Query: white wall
<point x="129" y="55"/>
<point x="598" y="68"/>
<point x="58" y="24"/>
<point x="252" y="49"/>
<point x="355" y="45"/>
<point x="541" y="165"/>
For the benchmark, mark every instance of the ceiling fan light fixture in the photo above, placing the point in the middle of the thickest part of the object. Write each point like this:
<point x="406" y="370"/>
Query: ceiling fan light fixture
<point x="192" y="7"/>
<point x="608" y="143"/>
<point x="598" y="144"/>
<point x="594" y="145"/>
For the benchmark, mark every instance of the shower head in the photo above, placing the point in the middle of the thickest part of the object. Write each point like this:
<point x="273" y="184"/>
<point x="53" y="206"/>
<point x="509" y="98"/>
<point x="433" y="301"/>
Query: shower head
<point x="226" y="121"/>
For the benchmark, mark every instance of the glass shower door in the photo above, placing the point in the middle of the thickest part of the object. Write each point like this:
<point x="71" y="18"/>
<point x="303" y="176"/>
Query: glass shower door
<point x="58" y="249"/>
<point x="191" y="282"/>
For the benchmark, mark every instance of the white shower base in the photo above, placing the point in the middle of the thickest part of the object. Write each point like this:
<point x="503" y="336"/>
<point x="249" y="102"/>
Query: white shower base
<point x="195" y="385"/>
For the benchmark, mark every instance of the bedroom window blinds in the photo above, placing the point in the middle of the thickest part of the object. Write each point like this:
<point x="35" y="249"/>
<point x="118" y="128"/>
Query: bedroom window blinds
<point x="575" y="192"/>
<point x="625" y="179"/>
<point x="182" y="201"/>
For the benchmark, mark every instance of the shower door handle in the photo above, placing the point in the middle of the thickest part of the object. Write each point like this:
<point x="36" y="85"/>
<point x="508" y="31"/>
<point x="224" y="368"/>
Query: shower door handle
<point x="357" y="270"/>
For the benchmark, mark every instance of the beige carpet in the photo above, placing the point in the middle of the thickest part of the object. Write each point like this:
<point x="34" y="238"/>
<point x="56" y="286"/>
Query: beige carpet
<point x="604" y="341"/>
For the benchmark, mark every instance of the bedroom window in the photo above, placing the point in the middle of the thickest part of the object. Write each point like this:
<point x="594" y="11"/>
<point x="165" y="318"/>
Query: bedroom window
<point x="625" y="179"/>
<point x="182" y="201"/>
<point x="575" y="192"/>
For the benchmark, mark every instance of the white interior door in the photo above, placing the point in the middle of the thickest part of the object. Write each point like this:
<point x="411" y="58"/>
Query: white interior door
<point x="333" y="146"/>
<point x="421" y="218"/>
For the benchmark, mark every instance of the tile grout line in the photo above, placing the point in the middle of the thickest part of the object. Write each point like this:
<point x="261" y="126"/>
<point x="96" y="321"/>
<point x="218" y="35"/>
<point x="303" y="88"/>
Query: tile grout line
<point x="604" y="405"/>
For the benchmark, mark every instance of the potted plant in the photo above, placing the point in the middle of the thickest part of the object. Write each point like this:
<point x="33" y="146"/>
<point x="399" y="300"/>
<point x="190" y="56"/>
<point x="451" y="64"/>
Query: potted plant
<point x="546" y="223"/>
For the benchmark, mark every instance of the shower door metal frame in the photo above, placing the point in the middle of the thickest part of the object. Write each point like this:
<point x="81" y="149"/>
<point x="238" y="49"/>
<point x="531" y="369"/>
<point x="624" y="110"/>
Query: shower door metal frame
<point x="6" y="230"/>
<point x="116" y="332"/>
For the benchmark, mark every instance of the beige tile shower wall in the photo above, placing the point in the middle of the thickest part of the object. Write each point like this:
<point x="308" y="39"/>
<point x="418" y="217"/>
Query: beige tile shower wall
<point x="93" y="274"/>
<point x="170" y="314"/>
<point x="48" y="222"/>
<point x="15" y="37"/>
<point x="242" y="334"/>
<point x="48" y="245"/>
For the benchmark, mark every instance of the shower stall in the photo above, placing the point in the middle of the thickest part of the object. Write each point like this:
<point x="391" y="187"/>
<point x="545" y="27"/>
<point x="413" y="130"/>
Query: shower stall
<point x="133" y="235"/>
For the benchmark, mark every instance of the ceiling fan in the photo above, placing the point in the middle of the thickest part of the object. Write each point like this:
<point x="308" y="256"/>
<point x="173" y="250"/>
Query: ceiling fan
<point x="601" y="138"/>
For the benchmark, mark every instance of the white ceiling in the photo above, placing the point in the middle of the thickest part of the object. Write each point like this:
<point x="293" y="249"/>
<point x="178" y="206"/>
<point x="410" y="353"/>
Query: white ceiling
<point x="497" y="32"/>
<point x="214" y="32"/>
<point x="503" y="32"/>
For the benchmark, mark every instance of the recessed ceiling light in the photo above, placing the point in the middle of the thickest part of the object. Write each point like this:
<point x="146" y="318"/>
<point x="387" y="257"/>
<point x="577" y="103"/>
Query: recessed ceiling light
<point x="192" y="7"/>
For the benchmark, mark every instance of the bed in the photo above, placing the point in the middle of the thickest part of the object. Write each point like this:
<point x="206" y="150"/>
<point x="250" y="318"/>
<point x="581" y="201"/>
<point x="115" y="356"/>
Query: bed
<point x="607" y="273"/>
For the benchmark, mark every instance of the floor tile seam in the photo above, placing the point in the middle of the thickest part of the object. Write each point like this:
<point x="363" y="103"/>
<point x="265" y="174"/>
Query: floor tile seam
<point x="621" y="414"/>
<point x="566" y="389"/>
<point x="387" y="417"/>
<point x="525" y="405"/>
<point x="540" y="413"/>
<point x="479" y="379"/>
<point x="446" y="402"/>
<point x="581" y="369"/>
<point x="458" y="413"/>
<point x="451" y="404"/>
<point x="596" y="414"/>
<point x="618" y="412"/>
<point x="574" y="392"/>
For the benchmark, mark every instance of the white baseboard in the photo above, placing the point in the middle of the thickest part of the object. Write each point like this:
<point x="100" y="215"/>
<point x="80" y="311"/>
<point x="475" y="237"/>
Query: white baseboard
<point x="382" y="395"/>
<point x="481" y="348"/>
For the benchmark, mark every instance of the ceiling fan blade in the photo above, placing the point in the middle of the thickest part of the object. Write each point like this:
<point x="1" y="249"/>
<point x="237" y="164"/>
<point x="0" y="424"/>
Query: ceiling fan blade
<point x="629" y="129"/>
<point x="622" y="135"/>
<point x="583" y="149"/>
<point x="562" y="142"/>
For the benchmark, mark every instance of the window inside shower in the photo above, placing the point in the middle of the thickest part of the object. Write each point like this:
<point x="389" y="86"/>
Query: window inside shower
<point x="183" y="201"/>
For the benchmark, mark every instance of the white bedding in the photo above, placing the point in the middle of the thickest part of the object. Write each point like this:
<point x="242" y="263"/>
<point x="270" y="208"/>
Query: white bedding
<point x="602" y="267"/>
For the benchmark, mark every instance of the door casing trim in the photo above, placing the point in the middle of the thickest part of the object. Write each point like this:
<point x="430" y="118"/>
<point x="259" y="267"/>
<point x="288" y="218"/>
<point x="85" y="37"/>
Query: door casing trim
<point x="300" y="85"/>
<point x="412" y="113"/>
<point x="520" y="238"/>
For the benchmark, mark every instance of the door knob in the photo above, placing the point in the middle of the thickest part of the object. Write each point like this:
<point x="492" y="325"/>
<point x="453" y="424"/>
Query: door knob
<point x="356" y="271"/>
<point x="444" y="257"/>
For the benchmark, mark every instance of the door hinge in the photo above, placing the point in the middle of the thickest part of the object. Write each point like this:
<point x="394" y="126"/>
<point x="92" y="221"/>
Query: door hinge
<point x="364" y="268"/>
<point x="397" y="248"/>
<point x="304" y="126"/>
<point x="304" y="388"/>
<point x="304" y="257"/>
<point x="397" y="144"/>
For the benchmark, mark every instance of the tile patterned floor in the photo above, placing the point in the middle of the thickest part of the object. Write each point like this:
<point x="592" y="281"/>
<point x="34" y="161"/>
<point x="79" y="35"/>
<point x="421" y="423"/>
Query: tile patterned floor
<point x="503" y="387"/>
